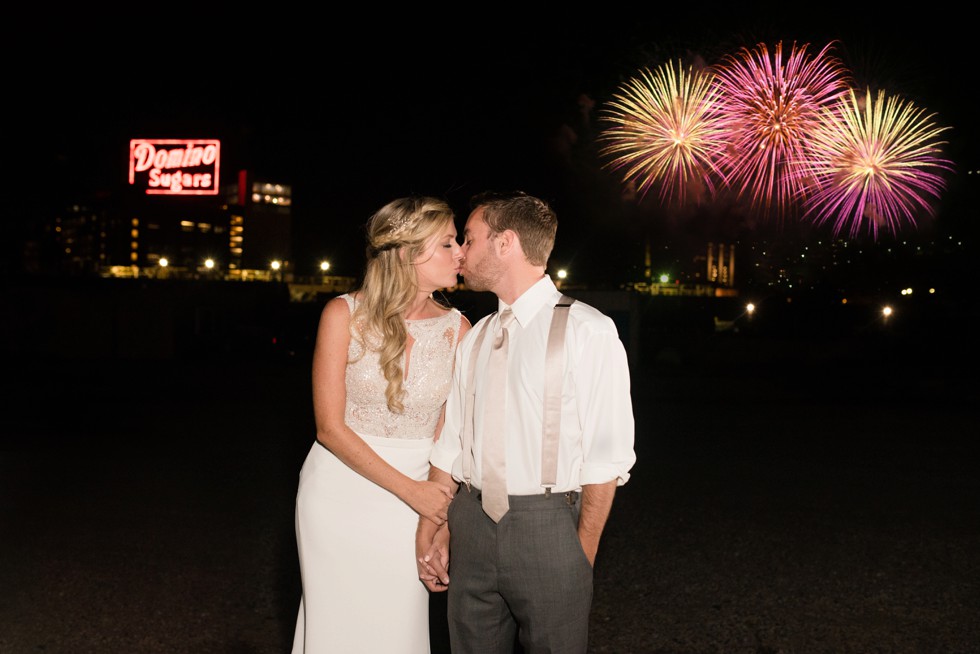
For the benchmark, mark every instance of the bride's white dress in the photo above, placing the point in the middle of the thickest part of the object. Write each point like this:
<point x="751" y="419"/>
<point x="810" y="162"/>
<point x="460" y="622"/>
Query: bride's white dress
<point x="355" y="540"/>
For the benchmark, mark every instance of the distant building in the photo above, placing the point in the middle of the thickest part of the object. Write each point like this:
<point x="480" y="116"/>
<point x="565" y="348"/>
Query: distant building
<point x="78" y="239"/>
<point x="721" y="268"/>
<point x="242" y="234"/>
<point x="259" y="216"/>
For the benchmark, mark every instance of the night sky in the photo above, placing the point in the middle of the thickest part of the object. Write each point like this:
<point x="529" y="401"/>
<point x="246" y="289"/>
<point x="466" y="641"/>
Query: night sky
<point x="356" y="110"/>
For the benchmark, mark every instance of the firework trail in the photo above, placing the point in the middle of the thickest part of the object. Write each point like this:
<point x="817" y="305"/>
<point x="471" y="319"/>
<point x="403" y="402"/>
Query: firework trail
<point x="666" y="129"/>
<point x="876" y="164"/>
<point x="773" y="104"/>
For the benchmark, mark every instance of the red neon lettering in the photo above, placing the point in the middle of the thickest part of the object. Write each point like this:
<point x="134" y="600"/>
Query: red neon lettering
<point x="192" y="156"/>
<point x="165" y="166"/>
<point x="144" y="153"/>
<point x="165" y="180"/>
<point x="148" y="156"/>
<point x="173" y="159"/>
<point x="161" y="159"/>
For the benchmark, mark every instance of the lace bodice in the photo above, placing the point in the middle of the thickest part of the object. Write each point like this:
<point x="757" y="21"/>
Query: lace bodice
<point x="430" y="372"/>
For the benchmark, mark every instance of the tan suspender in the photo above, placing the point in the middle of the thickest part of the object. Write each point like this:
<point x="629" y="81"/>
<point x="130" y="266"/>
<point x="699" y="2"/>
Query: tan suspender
<point x="554" y="371"/>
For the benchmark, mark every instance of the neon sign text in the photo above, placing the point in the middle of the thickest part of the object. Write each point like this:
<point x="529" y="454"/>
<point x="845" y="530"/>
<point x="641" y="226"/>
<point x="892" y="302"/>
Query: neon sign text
<point x="175" y="166"/>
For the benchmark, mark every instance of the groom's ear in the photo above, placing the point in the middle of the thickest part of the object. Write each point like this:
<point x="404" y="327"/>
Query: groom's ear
<point x="506" y="241"/>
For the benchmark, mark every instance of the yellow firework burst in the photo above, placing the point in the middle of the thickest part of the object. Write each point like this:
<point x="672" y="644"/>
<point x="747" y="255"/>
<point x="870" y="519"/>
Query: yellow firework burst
<point x="665" y="129"/>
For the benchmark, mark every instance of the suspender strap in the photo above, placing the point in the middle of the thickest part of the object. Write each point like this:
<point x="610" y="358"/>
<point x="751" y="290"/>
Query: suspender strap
<point x="467" y="437"/>
<point x="554" y="371"/>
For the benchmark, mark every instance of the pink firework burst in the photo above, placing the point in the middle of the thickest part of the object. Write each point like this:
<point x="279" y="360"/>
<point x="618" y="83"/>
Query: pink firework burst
<point x="876" y="164"/>
<point x="773" y="105"/>
<point x="666" y="129"/>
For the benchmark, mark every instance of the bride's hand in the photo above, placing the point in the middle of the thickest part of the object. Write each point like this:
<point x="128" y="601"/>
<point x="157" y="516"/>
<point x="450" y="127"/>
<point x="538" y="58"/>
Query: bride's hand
<point x="431" y="500"/>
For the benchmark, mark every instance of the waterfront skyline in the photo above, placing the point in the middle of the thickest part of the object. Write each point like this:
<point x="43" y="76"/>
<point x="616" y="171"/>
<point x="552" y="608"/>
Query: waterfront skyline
<point x="393" y="108"/>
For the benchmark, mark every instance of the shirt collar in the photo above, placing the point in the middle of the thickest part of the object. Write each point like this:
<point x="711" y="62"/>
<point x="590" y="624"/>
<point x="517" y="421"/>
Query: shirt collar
<point x="542" y="293"/>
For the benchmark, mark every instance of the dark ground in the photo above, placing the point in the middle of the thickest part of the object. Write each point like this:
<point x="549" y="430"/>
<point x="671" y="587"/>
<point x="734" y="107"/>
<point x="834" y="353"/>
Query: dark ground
<point x="791" y="495"/>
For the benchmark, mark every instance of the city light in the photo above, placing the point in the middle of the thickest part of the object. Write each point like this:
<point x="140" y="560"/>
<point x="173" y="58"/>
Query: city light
<point x="324" y="266"/>
<point x="163" y="262"/>
<point x="276" y="264"/>
<point x="209" y="263"/>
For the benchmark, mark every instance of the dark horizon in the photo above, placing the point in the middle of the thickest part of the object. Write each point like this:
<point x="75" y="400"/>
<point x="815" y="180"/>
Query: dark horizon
<point x="390" y="110"/>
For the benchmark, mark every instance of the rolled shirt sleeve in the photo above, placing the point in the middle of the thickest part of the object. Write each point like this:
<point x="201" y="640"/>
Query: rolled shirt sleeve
<point x="604" y="405"/>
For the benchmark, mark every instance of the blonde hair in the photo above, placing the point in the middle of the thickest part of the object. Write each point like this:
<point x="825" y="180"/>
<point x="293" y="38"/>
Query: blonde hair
<point x="396" y="236"/>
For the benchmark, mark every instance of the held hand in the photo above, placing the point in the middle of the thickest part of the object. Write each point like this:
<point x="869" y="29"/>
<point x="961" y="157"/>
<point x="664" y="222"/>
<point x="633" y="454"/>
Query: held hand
<point x="433" y="561"/>
<point x="431" y="501"/>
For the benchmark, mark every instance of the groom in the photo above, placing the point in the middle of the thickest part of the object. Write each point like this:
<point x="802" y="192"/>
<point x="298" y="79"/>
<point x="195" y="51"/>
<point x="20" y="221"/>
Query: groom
<point x="522" y="565"/>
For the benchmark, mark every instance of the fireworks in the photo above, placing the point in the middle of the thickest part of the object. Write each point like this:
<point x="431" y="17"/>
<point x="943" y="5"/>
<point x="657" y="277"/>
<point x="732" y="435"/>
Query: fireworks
<point x="773" y="105"/>
<point x="786" y="133"/>
<point x="666" y="129"/>
<point x="875" y="163"/>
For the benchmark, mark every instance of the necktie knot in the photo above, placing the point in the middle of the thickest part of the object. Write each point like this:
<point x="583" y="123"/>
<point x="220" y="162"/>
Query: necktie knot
<point x="505" y="320"/>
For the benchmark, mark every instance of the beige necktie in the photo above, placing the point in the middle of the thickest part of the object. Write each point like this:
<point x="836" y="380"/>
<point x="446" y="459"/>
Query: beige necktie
<point x="494" y="437"/>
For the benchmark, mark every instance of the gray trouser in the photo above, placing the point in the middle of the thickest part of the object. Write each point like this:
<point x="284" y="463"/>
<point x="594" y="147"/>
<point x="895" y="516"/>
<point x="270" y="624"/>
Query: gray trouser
<point x="526" y="577"/>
